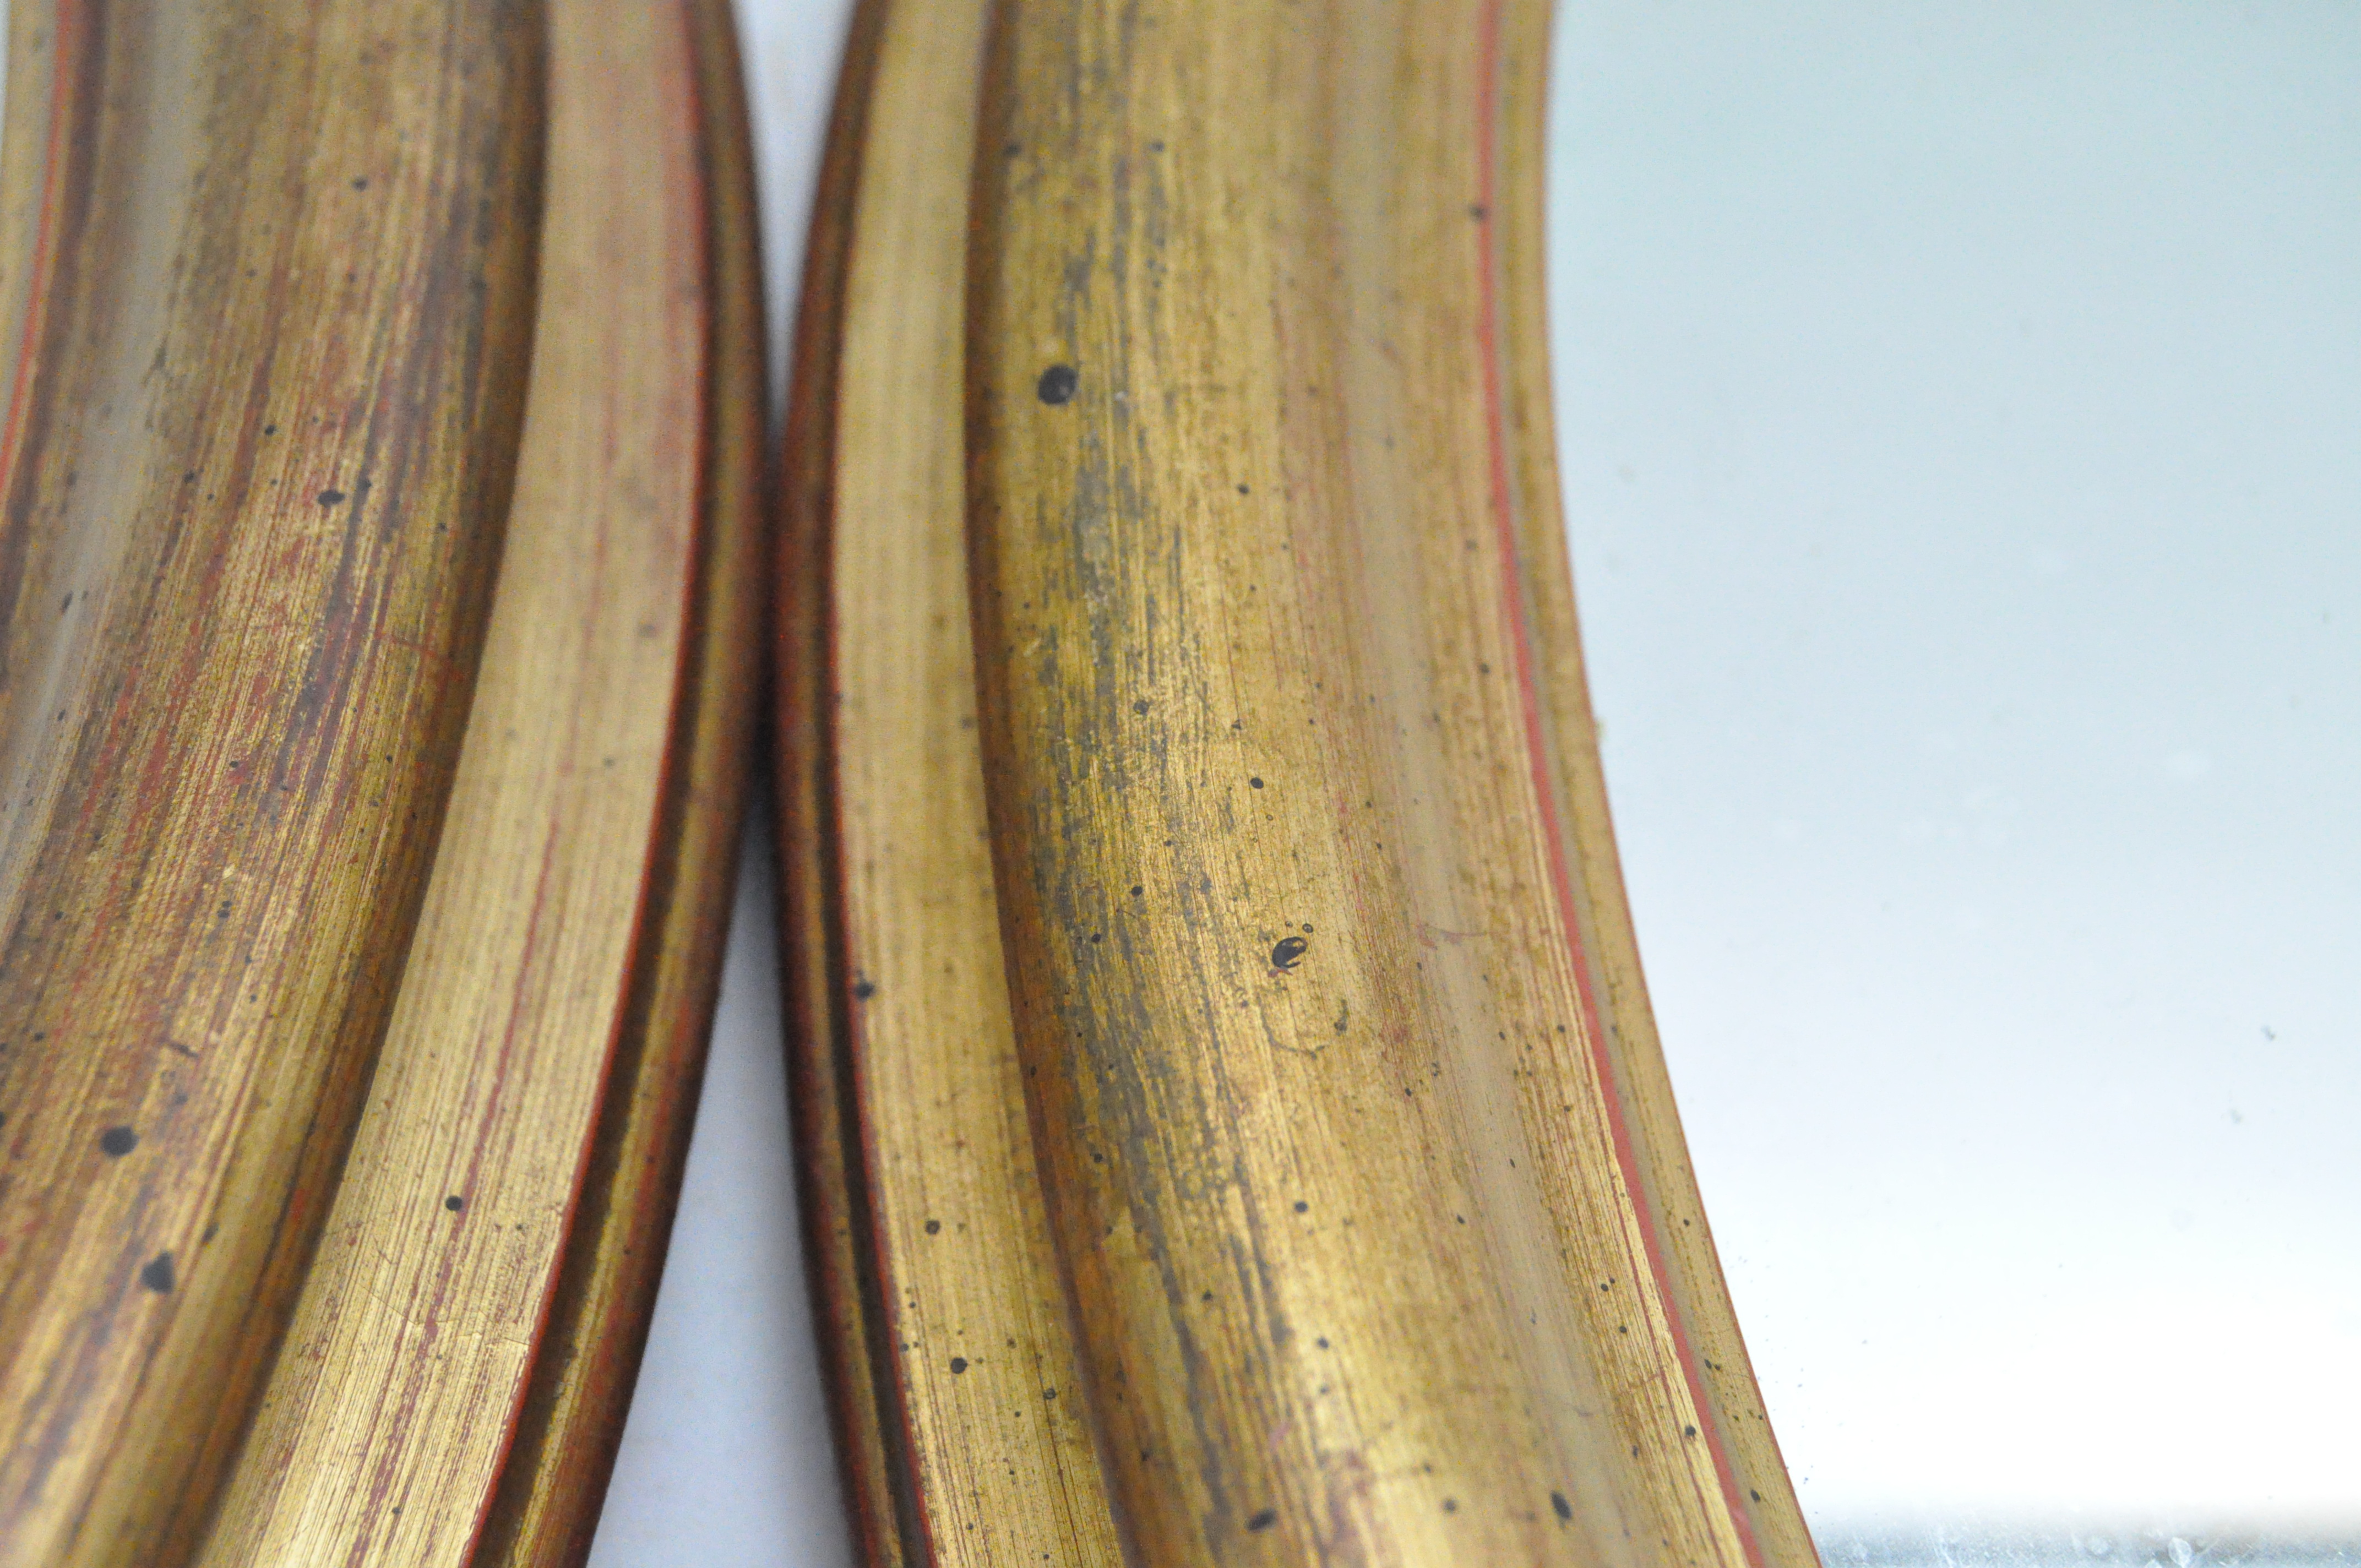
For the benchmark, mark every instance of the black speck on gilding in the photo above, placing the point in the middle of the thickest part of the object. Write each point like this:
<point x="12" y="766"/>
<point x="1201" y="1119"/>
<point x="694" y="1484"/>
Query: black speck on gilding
<point x="454" y="1202"/>
<point x="118" y="1141"/>
<point x="1264" y="1519"/>
<point x="157" y="1274"/>
<point x="958" y="1364"/>
<point x="1560" y="1506"/>
<point x="1288" y="953"/>
<point x="1058" y="383"/>
<point x="332" y="498"/>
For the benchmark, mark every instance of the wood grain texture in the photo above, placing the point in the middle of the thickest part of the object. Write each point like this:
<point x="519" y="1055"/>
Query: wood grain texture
<point x="271" y="276"/>
<point x="382" y="1432"/>
<point x="975" y="1373"/>
<point x="1363" y="1210"/>
<point x="563" y="1449"/>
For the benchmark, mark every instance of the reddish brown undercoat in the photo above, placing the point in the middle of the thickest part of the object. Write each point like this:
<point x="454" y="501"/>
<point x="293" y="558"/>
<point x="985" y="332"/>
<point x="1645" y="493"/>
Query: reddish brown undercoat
<point x="258" y="454"/>
<point x="572" y="1420"/>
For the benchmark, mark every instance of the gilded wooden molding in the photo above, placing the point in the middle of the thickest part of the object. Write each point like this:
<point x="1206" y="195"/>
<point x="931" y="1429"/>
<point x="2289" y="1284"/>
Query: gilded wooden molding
<point x="480" y="421"/>
<point x="274" y="317"/>
<point x="1301" y="1000"/>
<point x="911" y="1057"/>
<point x="566" y="1435"/>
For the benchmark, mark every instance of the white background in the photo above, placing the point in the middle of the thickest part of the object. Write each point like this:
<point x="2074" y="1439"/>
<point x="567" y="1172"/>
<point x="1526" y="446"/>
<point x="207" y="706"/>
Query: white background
<point x="1961" y="413"/>
<point x="1961" y="406"/>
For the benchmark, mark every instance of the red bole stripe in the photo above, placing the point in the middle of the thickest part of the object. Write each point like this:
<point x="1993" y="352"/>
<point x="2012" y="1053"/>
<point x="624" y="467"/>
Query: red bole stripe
<point x="1537" y="756"/>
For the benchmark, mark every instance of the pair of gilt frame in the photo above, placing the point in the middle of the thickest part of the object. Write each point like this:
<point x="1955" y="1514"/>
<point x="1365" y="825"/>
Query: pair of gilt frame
<point x="1231" y="1125"/>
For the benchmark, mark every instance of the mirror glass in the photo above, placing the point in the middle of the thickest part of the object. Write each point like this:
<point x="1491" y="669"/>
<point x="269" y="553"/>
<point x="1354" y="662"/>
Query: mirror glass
<point x="1960" y="406"/>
